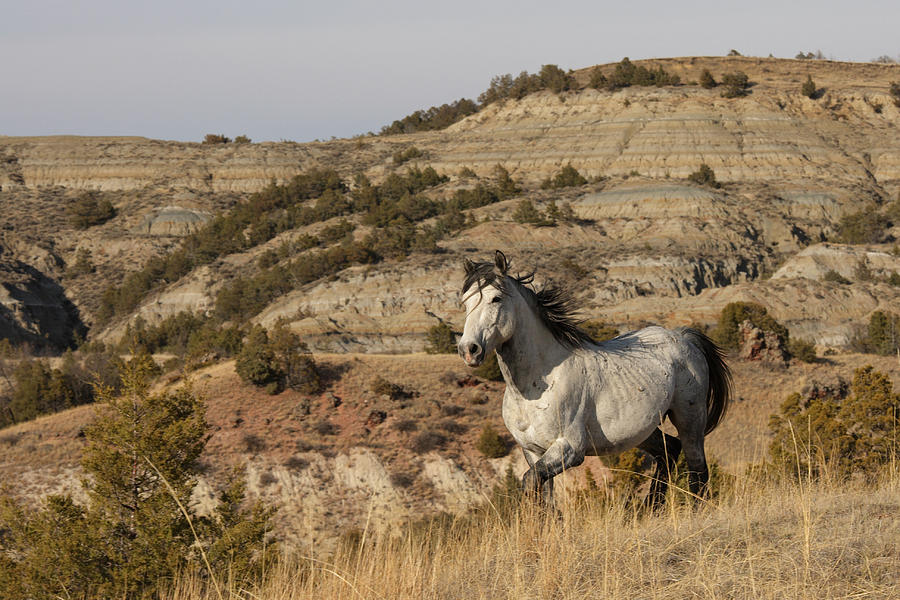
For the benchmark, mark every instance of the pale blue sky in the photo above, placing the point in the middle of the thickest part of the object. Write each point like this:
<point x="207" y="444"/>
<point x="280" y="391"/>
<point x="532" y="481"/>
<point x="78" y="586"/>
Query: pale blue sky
<point x="301" y="70"/>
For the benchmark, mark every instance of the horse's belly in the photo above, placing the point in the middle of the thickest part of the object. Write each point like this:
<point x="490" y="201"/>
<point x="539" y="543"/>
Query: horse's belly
<point x="624" y="422"/>
<point x="601" y="442"/>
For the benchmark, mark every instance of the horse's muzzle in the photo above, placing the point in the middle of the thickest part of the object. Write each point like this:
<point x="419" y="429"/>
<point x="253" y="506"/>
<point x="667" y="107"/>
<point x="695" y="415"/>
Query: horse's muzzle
<point x="471" y="353"/>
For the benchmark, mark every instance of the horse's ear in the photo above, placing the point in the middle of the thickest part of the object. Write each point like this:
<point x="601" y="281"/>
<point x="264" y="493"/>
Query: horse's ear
<point x="469" y="266"/>
<point x="500" y="262"/>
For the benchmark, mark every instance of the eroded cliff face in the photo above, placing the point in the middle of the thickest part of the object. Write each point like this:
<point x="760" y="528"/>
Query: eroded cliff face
<point x="773" y="134"/>
<point x="646" y="240"/>
<point x="33" y="307"/>
<point x="117" y="164"/>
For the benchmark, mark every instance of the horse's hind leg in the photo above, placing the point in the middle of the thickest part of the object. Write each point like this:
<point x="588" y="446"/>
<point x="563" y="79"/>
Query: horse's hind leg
<point x="698" y="472"/>
<point x="547" y="492"/>
<point x="664" y="449"/>
<point x="690" y="432"/>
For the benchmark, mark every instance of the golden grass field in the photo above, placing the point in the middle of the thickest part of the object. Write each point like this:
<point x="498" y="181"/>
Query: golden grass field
<point x="781" y="540"/>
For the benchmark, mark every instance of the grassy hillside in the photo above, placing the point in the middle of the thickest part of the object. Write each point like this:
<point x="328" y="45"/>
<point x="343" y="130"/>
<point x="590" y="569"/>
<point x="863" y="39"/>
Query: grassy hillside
<point x="778" y="540"/>
<point x="347" y="456"/>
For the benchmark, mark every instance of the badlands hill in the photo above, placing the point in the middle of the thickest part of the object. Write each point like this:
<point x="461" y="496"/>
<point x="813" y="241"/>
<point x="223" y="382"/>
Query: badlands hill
<point x="653" y="246"/>
<point x="647" y="246"/>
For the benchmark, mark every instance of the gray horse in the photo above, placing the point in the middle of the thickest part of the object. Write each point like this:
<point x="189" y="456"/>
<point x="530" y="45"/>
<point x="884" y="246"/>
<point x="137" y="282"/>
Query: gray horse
<point x="568" y="396"/>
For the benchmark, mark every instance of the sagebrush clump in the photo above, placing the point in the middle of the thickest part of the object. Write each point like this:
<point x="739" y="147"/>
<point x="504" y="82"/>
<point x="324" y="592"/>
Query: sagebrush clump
<point x="847" y="431"/>
<point x="216" y="138"/>
<point x="705" y="176"/>
<point x="809" y="88"/>
<point x="833" y="276"/>
<point x="490" y="443"/>
<point x="383" y="387"/>
<point x="527" y="213"/>
<point x="736" y="84"/>
<point x="568" y="176"/>
<point x="402" y="156"/>
<point x="726" y="333"/>
<point x="277" y="360"/>
<point x="426" y="441"/>
<point x="707" y="81"/>
<point x="802" y="350"/>
<point x="864" y="227"/>
<point x="90" y="209"/>
<point x="440" y="339"/>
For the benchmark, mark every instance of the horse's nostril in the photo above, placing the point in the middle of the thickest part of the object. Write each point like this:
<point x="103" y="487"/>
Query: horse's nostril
<point x="474" y="349"/>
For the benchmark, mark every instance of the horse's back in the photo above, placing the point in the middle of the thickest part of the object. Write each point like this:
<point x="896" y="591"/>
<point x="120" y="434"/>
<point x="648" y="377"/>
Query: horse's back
<point x="655" y="350"/>
<point x="652" y="343"/>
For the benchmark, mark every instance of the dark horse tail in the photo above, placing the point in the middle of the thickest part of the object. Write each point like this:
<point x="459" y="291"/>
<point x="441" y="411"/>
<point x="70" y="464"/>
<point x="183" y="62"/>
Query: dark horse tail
<point x="718" y="394"/>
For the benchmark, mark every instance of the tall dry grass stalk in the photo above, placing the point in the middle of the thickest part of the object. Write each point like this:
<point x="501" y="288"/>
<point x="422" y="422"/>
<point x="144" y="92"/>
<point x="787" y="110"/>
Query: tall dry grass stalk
<point x="765" y="538"/>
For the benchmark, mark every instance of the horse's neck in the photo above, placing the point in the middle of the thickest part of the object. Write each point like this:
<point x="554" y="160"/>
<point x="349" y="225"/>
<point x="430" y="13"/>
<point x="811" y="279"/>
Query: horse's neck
<point x="530" y="354"/>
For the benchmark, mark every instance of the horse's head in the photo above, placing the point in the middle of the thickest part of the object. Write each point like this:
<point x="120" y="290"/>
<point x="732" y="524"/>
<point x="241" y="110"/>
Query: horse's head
<point x="491" y="308"/>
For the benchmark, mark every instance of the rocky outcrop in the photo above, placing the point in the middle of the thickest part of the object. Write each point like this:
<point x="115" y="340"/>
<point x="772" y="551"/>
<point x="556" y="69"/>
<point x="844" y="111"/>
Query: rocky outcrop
<point x="830" y="314"/>
<point x="670" y="132"/>
<point x="34" y="308"/>
<point x="834" y="387"/>
<point x="385" y="309"/>
<point x="194" y="294"/>
<point x="851" y="262"/>
<point x="759" y="345"/>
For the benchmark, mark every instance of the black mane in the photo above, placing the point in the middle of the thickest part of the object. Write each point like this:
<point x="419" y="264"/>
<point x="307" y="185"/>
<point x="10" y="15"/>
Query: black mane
<point x="555" y="305"/>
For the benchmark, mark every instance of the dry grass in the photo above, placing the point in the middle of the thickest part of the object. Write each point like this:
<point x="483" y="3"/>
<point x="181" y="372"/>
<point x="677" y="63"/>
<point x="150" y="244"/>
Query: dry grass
<point x="776" y="540"/>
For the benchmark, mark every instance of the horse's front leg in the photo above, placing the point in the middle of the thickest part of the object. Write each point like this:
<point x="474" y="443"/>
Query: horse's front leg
<point x="547" y="487"/>
<point x="561" y="455"/>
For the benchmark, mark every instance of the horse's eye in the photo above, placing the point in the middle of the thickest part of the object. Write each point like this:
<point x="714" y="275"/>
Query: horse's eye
<point x="496" y="299"/>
